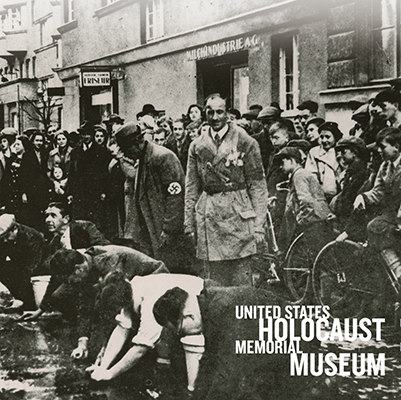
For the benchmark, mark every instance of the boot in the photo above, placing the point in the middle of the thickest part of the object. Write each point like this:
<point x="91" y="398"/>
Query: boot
<point x="393" y="262"/>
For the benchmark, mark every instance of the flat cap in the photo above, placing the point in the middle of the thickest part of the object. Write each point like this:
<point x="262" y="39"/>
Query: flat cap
<point x="289" y="152"/>
<point x="354" y="143"/>
<point x="126" y="135"/>
<point x="269" y="112"/>
<point x="114" y="118"/>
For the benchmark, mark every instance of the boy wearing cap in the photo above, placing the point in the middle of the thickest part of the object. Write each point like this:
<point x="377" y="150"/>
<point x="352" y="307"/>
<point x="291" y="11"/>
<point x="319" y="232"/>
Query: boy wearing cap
<point x="354" y="155"/>
<point x="306" y="209"/>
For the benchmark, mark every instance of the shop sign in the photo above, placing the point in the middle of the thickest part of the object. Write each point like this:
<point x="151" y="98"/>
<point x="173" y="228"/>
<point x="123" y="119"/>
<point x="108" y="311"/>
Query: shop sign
<point x="95" y="79"/>
<point x="117" y="74"/>
<point x="221" y="48"/>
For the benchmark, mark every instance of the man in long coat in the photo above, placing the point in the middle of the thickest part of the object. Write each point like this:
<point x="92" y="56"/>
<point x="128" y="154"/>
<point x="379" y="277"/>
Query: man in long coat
<point x="226" y="196"/>
<point x="88" y="179"/>
<point x="154" y="200"/>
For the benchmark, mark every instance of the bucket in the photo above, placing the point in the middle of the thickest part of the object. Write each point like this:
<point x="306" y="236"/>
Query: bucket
<point x="39" y="286"/>
<point x="194" y="347"/>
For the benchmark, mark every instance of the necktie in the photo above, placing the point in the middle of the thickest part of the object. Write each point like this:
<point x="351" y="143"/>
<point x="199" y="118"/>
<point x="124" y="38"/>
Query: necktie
<point x="217" y="140"/>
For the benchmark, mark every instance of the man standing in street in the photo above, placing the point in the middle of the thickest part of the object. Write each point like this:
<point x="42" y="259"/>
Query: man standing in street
<point x="88" y="178"/>
<point x="225" y="199"/>
<point x="154" y="199"/>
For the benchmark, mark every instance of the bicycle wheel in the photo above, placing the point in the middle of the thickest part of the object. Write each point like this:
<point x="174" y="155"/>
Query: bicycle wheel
<point x="297" y="269"/>
<point x="340" y="279"/>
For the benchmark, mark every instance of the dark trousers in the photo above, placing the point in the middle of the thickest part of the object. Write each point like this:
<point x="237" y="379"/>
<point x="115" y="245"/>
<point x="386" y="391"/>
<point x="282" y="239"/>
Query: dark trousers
<point x="230" y="272"/>
<point x="381" y="233"/>
<point x="18" y="282"/>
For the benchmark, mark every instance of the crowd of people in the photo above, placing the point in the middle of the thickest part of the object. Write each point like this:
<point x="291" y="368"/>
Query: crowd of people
<point x="157" y="222"/>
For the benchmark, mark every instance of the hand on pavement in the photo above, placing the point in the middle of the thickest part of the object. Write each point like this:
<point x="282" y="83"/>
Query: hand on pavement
<point x="100" y="374"/>
<point x="80" y="352"/>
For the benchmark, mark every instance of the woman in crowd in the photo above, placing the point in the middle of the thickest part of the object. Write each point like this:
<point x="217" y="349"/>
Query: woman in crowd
<point x="100" y="137"/>
<point x="194" y="113"/>
<point x="35" y="181"/>
<point x="11" y="194"/>
<point x="322" y="159"/>
<point x="61" y="155"/>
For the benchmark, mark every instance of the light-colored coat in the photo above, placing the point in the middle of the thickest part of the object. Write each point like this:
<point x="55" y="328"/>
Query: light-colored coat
<point x="225" y="222"/>
<point x="325" y="166"/>
<point x="305" y="204"/>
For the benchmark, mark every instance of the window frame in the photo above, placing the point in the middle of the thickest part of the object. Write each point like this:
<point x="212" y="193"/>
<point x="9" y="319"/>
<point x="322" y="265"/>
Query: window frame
<point x="397" y="43"/>
<point x="157" y="20"/>
<point x="283" y="74"/>
<point x="17" y="18"/>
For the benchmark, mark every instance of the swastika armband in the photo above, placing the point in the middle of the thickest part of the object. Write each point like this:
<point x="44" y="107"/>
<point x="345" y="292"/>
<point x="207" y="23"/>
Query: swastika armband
<point x="174" y="188"/>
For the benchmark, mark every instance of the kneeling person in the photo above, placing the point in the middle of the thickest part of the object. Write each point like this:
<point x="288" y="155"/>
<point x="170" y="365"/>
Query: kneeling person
<point x="74" y="284"/>
<point x="137" y="299"/>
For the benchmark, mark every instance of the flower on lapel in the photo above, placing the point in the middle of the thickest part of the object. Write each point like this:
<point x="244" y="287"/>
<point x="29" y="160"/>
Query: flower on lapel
<point x="235" y="158"/>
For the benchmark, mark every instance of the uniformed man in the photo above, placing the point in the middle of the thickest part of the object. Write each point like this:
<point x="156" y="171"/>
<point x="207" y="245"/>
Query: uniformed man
<point x="225" y="199"/>
<point x="154" y="199"/>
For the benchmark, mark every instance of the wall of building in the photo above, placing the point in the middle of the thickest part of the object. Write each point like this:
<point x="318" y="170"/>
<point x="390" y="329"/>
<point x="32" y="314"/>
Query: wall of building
<point x="71" y="117"/>
<point x="169" y="83"/>
<point x="97" y="36"/>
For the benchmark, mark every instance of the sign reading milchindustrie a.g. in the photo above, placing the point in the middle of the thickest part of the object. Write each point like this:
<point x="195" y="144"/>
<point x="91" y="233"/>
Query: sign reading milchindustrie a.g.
<point x="224" y="47"/>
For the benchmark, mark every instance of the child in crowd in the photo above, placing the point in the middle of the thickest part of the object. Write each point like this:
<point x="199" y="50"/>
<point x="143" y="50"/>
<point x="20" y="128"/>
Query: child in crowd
<point x="59" y="179"/>
<point x="306" y="209"/>
<point x="354" y="155"/>
<point x="312" y="131"/>
<point x="192" y="130"/>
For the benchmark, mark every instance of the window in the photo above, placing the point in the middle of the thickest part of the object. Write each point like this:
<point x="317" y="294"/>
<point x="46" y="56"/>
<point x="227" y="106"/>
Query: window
<point x="14" y="119"/>
<point x="3" y="22"/>
<point x="240" y="88"/>
<point x="154" y="19"/>
<point x="15" y="18"/>
<point x="285" y="63"/>
<point x="33" y="67"/>
<point x="69" y="14"/>
<point x="42" y="30"/>
<point x="27" y="65"/>
<point x="384" y="39"/>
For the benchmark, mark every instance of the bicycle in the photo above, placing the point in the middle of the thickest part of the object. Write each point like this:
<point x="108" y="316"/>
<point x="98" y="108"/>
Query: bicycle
<point x="296" y="265"/>
<point x="348" y="277"/>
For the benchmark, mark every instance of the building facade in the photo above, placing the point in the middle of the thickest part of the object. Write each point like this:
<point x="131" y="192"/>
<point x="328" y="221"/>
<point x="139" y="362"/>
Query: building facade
<point x="116" y="55"/>
<point x="30" y="49"/>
